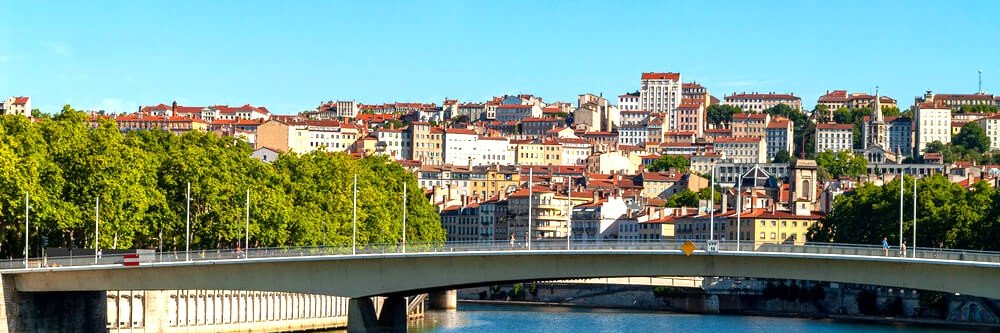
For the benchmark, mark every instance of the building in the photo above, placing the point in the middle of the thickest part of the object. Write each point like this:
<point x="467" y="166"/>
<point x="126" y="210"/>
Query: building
<point x="742" y="149"/>
<point x="425" y="143"/>
<point x="538" y="152"/>
<point x="661" y="93"/>
<point x="599" y="220"/>
<point x="900" y="135"/>
<point x="837" y="99"/>
<point x="691" y="116"/>
<point x="956" y="101"/>
<point x="634" y="117"/>
<point x="18" y="105"/>
<point x="614" y="162"/>
<point x="390" y="142"/>
<point x="460" y="146"/>
<point x="575" y="151"/>
<point x="549" y="213"/>
<point x="757" y="102"/>
<point x="633" y="134"/>
<point x="461" y="223"/>
<point x="595" y="114"/>
<point x="697" y="93"/>
<point x="517" y="112"/>
<point x="834" y="137"/>
<point x="991" y="125"/>
<point x="539" y="126"/>
<point x="750" y="125"/>
<point x="628" y="102"/>
<point x="779" y="137"/>
<point x="933" y="123"/>
<point x="491" y="150"/>
<point x="175" y="125"/>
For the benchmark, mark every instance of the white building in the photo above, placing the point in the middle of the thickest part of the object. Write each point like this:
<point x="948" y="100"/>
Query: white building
<point x="628" y="102"/>
<point x="742" y="150"/>
<point x="493" y="151"/>
<point x="634" y="117"/>
<point x="933" y="124"/>
<point x="661" y="93"/>
<point x="599" y="220"/>
<point x="991" y="125"/>
<point x="834" y="137"/>
<point x="779" y="137"/>
<point x="460" y="146"/>
<point x="390" y="142"/>
<point x="633" y="134"/>
<point x="575" y="151"/>
<point x="347" y="109"/>
<point x="900" y="135"/>
<point x="17" y="105"/>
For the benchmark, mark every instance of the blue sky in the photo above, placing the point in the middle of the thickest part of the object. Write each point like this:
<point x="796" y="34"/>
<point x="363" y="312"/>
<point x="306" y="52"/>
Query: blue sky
<point x="290" y="55"/>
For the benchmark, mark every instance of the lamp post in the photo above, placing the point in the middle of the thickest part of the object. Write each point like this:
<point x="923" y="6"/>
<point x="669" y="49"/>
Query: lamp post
<point x="914" y="216"/>
<point x="187" y="228"/>
<point x="711" y="204"/>
<point x="354" y="220"/>
<point x="404" y="217"/>
<point x="902" y="173"/>
<point x="26" y="230"/>
<point x="530" y="199"/>
<point x="97" y="229"/>
<point x="569" y="211"/>
<point x="739" y="208"/>
<point x="246" y="246"/>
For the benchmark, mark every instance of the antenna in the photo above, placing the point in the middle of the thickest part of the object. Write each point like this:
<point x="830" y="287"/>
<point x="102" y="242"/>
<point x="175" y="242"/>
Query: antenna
<point x="980" y="81"/>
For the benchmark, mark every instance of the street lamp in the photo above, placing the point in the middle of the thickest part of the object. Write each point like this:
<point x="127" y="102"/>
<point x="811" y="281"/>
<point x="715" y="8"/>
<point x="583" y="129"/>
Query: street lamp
<point x="26" y="230"/>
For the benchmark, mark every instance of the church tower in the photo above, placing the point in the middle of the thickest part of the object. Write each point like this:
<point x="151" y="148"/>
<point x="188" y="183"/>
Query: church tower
<point x="876" y="128"/>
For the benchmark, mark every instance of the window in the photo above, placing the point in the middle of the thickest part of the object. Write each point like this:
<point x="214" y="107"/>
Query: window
<point x="772" y="235"/>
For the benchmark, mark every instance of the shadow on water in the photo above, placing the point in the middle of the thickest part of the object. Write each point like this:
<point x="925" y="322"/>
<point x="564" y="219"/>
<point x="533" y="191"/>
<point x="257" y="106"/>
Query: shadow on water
<point x="525" y="319"/>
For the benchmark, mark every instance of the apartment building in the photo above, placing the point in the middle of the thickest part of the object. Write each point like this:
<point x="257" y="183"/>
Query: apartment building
<point x="661" y="93"/>
<point x="697" y="93"/>
<point x="933" y="123"/>
<point x="834" y="137"/>
<point x="779" y="137"/>
<point x="691" y="116"/>
<point x="517" y="112"/>
<point x="633" y="134"/>
<point x="757" y="102"/>
<point x="19" y="105"/>
<point x="628" y="102"/>
<point x="742" y="149"/>
<point x="836" y="99"/>
<point x="750" y="125"/>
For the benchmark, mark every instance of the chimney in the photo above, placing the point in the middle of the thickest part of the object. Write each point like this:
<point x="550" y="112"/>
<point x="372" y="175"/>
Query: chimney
<point x="173" y="109"/>
<point x="684" y="210"/>
<point x="596" y="196"/>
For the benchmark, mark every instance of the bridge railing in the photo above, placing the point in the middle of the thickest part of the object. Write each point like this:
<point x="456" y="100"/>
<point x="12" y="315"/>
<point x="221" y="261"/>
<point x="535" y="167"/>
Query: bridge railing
<point x="725" y="247"/>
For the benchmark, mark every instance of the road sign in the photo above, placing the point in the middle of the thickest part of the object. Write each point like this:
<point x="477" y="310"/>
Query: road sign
<point x="131" y="259"/>
<point x="688" y="248"/>
<point x="712" y="246"/>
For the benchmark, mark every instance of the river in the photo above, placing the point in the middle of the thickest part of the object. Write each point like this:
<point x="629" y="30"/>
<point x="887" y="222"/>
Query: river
<point x="525" y="319"/>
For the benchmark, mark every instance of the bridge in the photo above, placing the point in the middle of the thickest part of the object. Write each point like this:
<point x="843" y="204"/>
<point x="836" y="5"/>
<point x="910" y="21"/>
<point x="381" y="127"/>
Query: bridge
<point x="388" y="271"/>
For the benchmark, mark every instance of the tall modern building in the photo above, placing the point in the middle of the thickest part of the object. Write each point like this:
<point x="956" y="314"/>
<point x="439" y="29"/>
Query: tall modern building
<point x="661" y="93"/>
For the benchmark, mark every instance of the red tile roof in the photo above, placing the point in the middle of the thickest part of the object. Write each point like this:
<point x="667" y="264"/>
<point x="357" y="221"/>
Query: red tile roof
<point x="739" y="139"/>
<point x="661" y="76"/>
<point x="768" y="96"/>
<point x="20" y="100"/>
<point x="847" y="127"/>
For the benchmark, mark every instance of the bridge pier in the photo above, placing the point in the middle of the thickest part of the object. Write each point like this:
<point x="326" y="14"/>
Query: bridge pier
<point x="444" y="300"/>
<point x="392" y="318"/>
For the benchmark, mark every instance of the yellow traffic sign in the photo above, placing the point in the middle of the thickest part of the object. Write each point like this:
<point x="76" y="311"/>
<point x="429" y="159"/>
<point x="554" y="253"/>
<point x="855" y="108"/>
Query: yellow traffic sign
<point x="688" y="248"/>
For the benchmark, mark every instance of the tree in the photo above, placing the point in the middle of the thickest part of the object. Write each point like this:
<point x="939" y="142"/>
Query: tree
<point x="462" y="118"/>
<point x="667" y="162"/>
<point x="972" y="136"/>
<point x="684" y="198"/>
<point x="719" y="115"/>
<point x="842" y="163"/>
<point x="979" y="108"/>
<point x="782" y="157"/>
<point x="822" y="114"/>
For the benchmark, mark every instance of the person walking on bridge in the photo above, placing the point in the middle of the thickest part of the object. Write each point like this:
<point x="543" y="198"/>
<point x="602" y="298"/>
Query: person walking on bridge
<point x="902" y="249"/>
<point x="885" y="246"/>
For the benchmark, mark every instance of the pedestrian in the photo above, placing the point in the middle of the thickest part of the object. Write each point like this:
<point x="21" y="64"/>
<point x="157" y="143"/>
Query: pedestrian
<point x="885" y="246"/>
<point x="902" y="249"/>
<point x="512" y="239"/>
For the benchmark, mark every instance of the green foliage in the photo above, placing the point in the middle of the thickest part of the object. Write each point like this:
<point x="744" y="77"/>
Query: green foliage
<point x="684" y="198"/>
<point x="841" y="163"/>
<point x="973" y="137"/>
<point x="462" y="118"/>
<point x="950" y="216"/>
<point x="706" y="193"/>
<point x="981" y="108"/>
<point x="667" y="162"/>
<point x="783" y="157"/>
<point x="66" y="164"/>
<point x="721" y="114"/>
<point x="935" y="301"/>
<point x="804" y="139"/>
<point x="666" y="292"/>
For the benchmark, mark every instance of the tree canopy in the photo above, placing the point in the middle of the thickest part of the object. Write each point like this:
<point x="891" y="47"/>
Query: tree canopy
<point x="667" y="162"/>
<point x="719" y="114"/>
<point x="842" y="163"/>
<point x="66" y="163"/>
<point x="973" y="137"/>
<point x="948" y="215"/>
<point x="684" y="198"/>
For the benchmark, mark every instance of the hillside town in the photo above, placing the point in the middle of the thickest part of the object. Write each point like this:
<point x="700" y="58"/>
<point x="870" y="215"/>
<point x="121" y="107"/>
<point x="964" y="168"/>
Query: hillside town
<point x="660" y="163"/>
